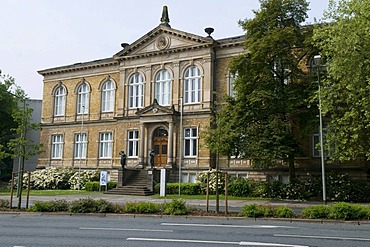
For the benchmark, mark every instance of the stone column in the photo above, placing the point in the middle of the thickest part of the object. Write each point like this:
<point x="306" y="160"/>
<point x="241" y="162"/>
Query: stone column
<point x="142" y="145"/>
<point x="170" y="144"/>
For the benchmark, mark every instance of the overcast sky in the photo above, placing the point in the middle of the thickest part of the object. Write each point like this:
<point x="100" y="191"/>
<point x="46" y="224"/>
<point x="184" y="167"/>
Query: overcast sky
<point x="41" y="34"/>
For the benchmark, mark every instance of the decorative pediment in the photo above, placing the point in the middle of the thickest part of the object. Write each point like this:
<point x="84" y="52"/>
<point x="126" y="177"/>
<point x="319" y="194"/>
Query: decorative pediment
<point x="163" y="39"/>
<point x="156" y="110"/>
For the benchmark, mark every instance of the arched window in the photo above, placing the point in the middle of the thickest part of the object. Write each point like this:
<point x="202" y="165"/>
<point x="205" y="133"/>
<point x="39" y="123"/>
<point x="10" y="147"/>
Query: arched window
<point x="136" y="91"/>
<point x="83" y="94"/>
<point x="163" y="87"/>
<point x="192" y="85"/>
<point x="107" y="104"/>
<point x="60" y="101"/>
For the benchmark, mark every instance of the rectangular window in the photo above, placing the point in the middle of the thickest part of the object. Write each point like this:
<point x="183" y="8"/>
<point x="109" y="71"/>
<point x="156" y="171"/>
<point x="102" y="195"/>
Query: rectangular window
<point x="191" y="142"/>
<point x="57" y="147"/>
<point x="105" y="145"/>
<point x="80" y="145"/>
<point x="133" y="143"/>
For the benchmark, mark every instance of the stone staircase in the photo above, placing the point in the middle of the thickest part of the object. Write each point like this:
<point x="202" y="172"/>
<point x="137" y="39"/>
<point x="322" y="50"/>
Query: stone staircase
<point x="135" y="183"/>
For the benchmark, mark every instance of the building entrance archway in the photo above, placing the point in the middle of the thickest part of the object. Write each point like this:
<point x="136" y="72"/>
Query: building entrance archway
<point x="160" y="146"/>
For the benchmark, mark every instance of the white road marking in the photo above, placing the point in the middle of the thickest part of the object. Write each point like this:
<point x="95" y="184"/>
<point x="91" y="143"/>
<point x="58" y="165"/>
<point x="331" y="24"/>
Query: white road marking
<point x="269" y="244"/>
<point x="321" y="237"/>
<point x="181" y="240"/>
<point x="229" y="226"/>
<point x="213" y="242"/>
<point x="124" y="229"/>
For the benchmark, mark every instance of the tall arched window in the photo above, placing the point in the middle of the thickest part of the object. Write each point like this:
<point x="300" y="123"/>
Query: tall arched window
<point x="83" y="94"/>
<point x="163" y="87"/>
<point x="136" y="91"/>
<point x="192" y="85"/>
<point x="60" y="101"/>
<point x="107" y="104"/>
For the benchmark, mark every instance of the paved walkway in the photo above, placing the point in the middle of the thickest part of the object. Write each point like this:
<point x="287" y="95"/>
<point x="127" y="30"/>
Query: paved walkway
<point x="233" y="205"/>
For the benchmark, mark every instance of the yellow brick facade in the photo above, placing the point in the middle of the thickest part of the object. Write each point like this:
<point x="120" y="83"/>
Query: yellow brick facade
<point x="161" y="49"/>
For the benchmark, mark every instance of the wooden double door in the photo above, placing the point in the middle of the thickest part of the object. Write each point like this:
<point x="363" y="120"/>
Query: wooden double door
<point x="160" y="147"/>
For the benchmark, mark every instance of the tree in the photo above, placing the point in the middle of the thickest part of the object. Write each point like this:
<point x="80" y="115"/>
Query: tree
<point x="7" y="123"/>
<point x="345" y="44"/>
<point x="269" y="113"/>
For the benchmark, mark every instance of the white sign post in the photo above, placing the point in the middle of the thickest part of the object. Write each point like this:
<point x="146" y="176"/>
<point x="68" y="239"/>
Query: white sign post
<point x="103" y="179"/>
<point x="162" y="190"/>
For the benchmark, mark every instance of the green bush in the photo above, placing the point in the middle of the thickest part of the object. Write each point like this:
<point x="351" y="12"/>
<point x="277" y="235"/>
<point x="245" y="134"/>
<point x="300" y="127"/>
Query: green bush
<point x="316" y="212"/>
<point x="346" y="211"/>
<point x="186" y="188"/>
<point x="92" y="186"/>
<point x="254" y="210"/>
<point x="95" y="186"/>
<point x="283" y="212"/>
<point x="50" y="206"/>
<point x="89" y="205"/>
<point x="4" y="203"/>
<point x="367" y="212"/>
<point x="239" y="187"/>
<point x="176" y="207"/>
<point x="142" y="208"/>
<point x="259" y="189"/>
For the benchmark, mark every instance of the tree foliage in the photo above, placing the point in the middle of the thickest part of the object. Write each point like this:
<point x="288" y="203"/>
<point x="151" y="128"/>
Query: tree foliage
<point x="7" y="123"/>
<point x="345" y="43"/>
<point x="271" y="88"/>
<point x="16" y="120"/>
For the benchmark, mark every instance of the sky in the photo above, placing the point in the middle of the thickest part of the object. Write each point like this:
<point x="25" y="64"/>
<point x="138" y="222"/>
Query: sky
<point x="42" y="34"/>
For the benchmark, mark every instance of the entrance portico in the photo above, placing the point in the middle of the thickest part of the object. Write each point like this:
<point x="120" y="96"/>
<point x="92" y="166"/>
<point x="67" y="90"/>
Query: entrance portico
<point x="157" y="127"/>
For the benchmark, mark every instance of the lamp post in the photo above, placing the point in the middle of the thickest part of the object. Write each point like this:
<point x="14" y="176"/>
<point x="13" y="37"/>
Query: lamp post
<point x="317" y="64"/>
<point x="81" y="148"/>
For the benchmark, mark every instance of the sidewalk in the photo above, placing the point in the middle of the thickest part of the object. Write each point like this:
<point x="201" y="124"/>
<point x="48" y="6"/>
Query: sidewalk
<point x="233" y="205"/>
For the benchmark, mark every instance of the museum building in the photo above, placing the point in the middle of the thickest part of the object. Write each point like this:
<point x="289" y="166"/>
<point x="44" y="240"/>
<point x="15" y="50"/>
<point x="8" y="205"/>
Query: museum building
<point x="156" y="94"/>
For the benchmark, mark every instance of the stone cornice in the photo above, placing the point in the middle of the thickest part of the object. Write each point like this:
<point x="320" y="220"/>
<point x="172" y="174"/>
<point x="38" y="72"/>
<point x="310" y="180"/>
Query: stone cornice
<point x="79" y="66"/>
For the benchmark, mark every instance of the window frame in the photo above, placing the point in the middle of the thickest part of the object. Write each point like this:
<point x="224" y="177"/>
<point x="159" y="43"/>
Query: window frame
<point x="60" y="101"/>
<point x="57" y="144"/>
<point x="136" y="91"/>
<point x="107" y="96"/>
<point x="192" y="85"/>
<point x="163" y="87"/>
<point x="83" y="98"/>
<point x="191" y="143"/>
<point x="105" y="145"/>
<point x="80" y="147"/>
<point x="133" y="139"/>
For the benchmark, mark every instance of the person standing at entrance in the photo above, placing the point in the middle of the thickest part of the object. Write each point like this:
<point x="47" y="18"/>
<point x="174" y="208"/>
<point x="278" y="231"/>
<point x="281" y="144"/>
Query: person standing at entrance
<point x="152" y="154"/>
<point x="123" y="159"/>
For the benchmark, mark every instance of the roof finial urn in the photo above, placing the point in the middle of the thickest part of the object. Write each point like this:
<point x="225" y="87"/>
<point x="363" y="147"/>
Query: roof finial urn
<point x="165" y="19"/>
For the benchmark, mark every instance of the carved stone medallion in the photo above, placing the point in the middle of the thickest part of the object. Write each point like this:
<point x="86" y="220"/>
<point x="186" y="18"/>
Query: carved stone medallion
<point x="163" y="42"/>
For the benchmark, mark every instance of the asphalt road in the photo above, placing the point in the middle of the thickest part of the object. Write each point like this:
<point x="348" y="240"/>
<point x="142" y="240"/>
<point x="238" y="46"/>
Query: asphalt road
<point x="118" y="230"/>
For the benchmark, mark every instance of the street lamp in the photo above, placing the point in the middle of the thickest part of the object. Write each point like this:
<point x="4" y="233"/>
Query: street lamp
<point x="317" y="65"/>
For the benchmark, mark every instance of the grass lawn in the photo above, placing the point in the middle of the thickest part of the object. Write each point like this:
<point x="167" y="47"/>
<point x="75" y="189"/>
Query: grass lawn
<point x="203" y="197"/>
<point x="51" y="192"/>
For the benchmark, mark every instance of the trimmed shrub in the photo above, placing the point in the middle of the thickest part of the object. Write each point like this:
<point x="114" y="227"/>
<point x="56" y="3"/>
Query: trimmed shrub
<point x="141" y="208"/>
<point x="186" y="188"/>
<point x="254" y="210"/>
<point x="346" y="211"/>
<point x="316" y="212"/>
<point x="283" y="212"/>
<point x="50" y="206"/>
<point x="95" y="186"/>
<point x="239" y="187"/>
<point x="367" y="212"/>
<point x="89" y="205"/>
<point x="176" y="207"/>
